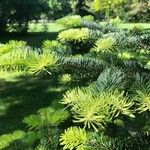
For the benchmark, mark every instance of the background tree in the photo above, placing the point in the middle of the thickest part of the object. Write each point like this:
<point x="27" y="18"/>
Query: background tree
<point x="59" y="8"/>
<point x="139" y="10"/>
<point x="18" y="13"/>
<point x="106" y="6"/>
<point x="24" y="11"/>
<point x="4" y="14"/>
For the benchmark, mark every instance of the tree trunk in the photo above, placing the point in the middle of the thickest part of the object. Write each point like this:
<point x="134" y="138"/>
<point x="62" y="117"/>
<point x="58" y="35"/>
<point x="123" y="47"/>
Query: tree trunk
<point x="3" y="26"/>
<point x="24" y="27"/>
<point x="82" y="8"/>
<point x="79" y="6"/>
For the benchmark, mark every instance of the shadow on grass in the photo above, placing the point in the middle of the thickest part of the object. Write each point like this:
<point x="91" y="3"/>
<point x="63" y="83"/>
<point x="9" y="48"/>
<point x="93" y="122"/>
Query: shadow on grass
<point x="33" y="39"/>
<point x="25" y="96"/>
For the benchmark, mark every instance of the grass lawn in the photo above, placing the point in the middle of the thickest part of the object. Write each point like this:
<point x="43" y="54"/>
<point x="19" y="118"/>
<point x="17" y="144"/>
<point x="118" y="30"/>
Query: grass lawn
<point x="52" y="27"/>
<point x="47" y="27"/>
<point x="23" y="96"/>
<point x="39" y="32"/>
<point x="131" y="25"/>
<point x="33" y="39"/>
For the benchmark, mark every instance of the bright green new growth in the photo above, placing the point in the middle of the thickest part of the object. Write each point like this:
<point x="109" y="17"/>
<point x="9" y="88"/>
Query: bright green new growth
<point x="142" y="94"/>
<point x="76" y="35"/>
<point x="7" y="139"/>
<point x="126" y="55"/>
<point x="143" y="100"/>
<point x="23" y="58"/>
<point x="41" y="147"/>
<point x="70" y="21"/>
<point x="14" y="60"/>
<point x="11" y="46"/>
<point x="104" y="44"/>
<point x="116" y="21"/>
<point x="38" y="63"/>
<point x="55" y="47"/>
<point x="148" y="65"/>
<point x="65" y="78"/>
<point x="53" y="117"/>
<point x="13" y="55"/>
<point x="88" y="18"/>
<point x="73" y="138"/>
<point x="96" y="110"/>
<point x="46" y="117"/>
<point x="51" y="45"/>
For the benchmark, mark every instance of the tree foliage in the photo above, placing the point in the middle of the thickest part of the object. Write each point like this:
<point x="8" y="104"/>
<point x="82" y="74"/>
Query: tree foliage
<point x="16" y="14"/>
<point x="105" y="72"/>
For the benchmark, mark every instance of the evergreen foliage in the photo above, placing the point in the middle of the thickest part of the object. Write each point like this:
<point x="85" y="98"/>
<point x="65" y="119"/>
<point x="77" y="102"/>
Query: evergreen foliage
<point x="107" y="73"/>
<point x="38" y="63"/>
<point x="96" y="109"/>
<point x="73" y="137"/>
<point x="71" y="35"/>
<point x="7" y="139"/>
<point x="45" y="117"/>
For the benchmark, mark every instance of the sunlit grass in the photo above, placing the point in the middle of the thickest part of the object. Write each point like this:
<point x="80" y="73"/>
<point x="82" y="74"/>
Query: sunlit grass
<point x="47" y="27"/>
<point x="52" y="27"/>
<point x="6" y="103"/>
<point x="11" y="76"/>
<point x="131" y="25"/>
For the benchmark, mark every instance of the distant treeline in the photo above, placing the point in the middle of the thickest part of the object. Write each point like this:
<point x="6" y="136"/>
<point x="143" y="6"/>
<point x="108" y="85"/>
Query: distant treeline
<point x="15" y="15"/>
